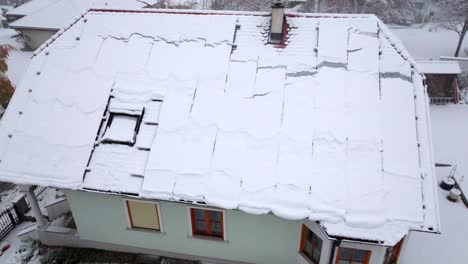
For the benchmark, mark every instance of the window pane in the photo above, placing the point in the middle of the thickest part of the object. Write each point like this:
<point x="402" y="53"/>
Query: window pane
<point x="345" y="253"/>
<point x="308" y="248"/>
<point x="343" y="262"/>
<point x="200" y="226"/>
<point x="317" y="241"/>
<point x="143" y="215"/>
<point x="309" y="235"/>
<point x="216" y="228"/>
<point x="215" y="216"/>
<point x="359" y="255"/>
<point x="316" y="254"/>
<point x="357" y="262"/>
<point x="199" y="214"/>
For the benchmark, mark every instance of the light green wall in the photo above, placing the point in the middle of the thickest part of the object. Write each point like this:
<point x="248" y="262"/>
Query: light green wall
<point x="251" y="238"/>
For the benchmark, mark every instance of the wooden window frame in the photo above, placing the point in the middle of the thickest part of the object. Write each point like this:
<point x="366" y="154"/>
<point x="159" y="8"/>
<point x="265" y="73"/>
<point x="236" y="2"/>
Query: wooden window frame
<point x="191" y="213"/>
<point x="393" y="254"/>
<point x="366" y="258"/>
<point x="304" y="230"/>
<point x="130" y="219"/>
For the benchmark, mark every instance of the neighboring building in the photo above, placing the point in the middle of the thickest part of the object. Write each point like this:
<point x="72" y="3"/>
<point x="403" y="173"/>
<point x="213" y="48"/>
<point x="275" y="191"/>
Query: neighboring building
<point x="227" y="137"/>
<point x="441" y="80"/>
<point x="3" y="10"/>
<point x="38" y="20"/>
<point x="28" y="8"/>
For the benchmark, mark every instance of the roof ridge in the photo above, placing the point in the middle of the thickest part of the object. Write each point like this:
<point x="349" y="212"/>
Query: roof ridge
<point x="59" y="33"/>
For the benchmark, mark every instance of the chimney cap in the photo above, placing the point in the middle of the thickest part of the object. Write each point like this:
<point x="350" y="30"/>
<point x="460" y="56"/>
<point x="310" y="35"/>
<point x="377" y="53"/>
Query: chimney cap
<point x="277" y="4"/>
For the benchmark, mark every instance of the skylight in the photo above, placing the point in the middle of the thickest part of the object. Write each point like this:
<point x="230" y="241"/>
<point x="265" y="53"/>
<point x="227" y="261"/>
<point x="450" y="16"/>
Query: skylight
<point x="121" y="129"/>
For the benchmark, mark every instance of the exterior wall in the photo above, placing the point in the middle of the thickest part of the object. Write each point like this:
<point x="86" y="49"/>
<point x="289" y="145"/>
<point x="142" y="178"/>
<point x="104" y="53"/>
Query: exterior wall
<point x="377" y="252"/>
<point x="249" y="238"/>
<point x="102" y="220"/>
<point x="57" y="208"/>
<point x="35" y="38"/>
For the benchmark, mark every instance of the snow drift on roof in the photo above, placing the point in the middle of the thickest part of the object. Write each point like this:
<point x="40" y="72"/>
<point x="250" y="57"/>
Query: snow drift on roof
<point x="56" y="14"/>
<point x="319" y="129"/>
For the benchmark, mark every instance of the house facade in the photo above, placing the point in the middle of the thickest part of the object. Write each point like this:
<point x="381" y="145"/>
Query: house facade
<point x="226" y="137"/>
<point x="243" y="237"/>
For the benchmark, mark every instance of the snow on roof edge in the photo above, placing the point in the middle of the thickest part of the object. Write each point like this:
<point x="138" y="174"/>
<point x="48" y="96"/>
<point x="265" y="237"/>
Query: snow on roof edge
<point x="398" y="45"/>
<point x="59" y="33"/>
<point x="434" y="67"/>
<point x="431" y="153"/>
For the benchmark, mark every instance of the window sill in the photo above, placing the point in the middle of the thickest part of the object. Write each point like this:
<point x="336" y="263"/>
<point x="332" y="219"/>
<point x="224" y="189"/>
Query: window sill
<point x="306" y="258"/>
<point x="209" y="238"/>
<point x="142" y="230"/>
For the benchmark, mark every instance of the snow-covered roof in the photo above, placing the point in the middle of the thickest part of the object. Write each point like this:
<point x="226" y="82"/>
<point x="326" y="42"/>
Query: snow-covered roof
<point x="331" y="126"/>
<point x="439" y="67"/>
<point x="57" y="14"/>
<point x="31" y="7"/>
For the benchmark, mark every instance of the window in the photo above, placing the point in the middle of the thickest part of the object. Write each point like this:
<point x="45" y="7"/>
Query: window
<point x="311" y="245"/>
<point x="207" y="223"/>
<point x="352" y="256"/>
<point x="143" y="215"/>
<point x="392" y="254"/>
<point x="121" y="128"/>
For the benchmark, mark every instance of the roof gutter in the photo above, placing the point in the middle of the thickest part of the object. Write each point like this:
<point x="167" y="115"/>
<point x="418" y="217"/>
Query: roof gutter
<point x="32" y="28"/>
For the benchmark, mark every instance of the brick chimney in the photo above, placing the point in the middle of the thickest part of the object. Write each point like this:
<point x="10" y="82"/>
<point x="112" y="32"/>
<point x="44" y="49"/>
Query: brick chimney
<point x="277" y="20"/>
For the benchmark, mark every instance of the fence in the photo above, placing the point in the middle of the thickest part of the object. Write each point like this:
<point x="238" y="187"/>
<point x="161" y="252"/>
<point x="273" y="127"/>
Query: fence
<point x="9" y="218"/>
<point x="441" y="100"/>
<point x="39" y="190"/>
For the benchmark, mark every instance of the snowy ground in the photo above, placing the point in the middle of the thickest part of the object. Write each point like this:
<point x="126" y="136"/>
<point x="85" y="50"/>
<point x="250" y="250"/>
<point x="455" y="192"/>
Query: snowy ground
<point x="428" y="41"/>
<point x="6" y="197"/>
<point x="449" y="131"/>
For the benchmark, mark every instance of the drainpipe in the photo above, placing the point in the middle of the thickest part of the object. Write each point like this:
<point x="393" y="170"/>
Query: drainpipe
<point x="29" y="190"/>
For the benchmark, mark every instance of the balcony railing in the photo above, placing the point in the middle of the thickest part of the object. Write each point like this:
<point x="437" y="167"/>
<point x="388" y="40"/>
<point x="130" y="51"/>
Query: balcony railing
<point x="441" y="100"/>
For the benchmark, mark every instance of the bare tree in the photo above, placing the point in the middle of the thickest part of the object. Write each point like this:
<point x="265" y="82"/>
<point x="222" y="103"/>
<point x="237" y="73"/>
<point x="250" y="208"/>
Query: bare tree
<point x="244" y="5"/>
<point x="6" y="88"/>
<point x="453" y="14"/>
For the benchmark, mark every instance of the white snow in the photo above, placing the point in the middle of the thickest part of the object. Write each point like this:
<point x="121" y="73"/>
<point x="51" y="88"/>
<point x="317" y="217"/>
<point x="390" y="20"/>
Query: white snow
<point x="31" y="7"/>
<point x="449" y="129"/>
<point x="9" y="256"/>
<point x="439" y="67"/>
<point x="121" y="129"/>
<point x="291" y="130"/>
<point x="56" y="14"/>
<point x="429" y="41"/>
